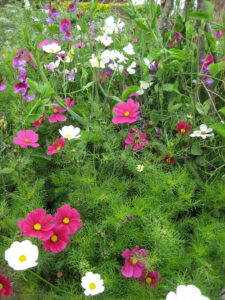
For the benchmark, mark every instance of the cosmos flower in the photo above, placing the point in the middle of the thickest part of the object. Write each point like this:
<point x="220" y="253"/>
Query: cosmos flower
<point x="168" y="160"/>
<point x="39" y="122"/>
<point x="26" y="138"/>
<point x="204" y="132"/>
<point x="183" y="128"/>
<point x="136" y="140"/>
<point x="57" y="114"/>
<point x="92" y="283"/>
<point x="56" y="147"/>
<point x="126" y="112"/>
<point x="186" y="292"/>
<point x="5" y="286"/>
<point x="50" y="47"/>
<point x="58" y="240"/>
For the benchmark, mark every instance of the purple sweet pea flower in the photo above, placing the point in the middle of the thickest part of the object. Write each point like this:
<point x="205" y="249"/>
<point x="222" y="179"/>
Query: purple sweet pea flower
<point x="48" y="6"/>
<point x="2" y="86"/>
<point x="219" y="34"/>
<point x="208" y="80"/>
<point x="18" y="62"/>
<point x="65" y="25"/>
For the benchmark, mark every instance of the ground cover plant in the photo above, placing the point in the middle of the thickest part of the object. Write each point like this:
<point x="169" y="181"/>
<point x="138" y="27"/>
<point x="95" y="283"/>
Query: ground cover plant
<point x="112" y="152"/>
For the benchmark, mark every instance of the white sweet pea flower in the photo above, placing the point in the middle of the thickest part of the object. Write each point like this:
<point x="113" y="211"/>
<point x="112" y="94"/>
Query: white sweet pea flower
<point x="51" y="48"/>
<point x="204" y="132"/>
<point x="105" y="40"/>
<point x="94" y="61"/>
<point x="110" y="26"/>
<point x="189" y="292"/>
<point x="140" y="92"/>
<point x="70" y="132"/>
<point x="26" y="4"/>
<point x="140" y="168"/>
<point x="131" y="69"/>
<point x="92" y="283"/>
<point x="129" y="49"/>
<point x="52" y="66"/>
<point x="147" y="62"/>
<point x="22" y="256"/>
<point x="78" y="27"/>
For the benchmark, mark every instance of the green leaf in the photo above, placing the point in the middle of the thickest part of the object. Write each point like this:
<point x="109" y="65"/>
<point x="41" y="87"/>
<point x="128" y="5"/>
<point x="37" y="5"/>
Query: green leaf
<point x="211" y="40"/>
<point x="46" y="91"/>
<point x="93" y="5"/>
<point x="141" y="25"/>
<point x="39" y="27"/>
<point x="35" y="86"/>
<point x="6" y="171"/>
<point x="90" y="137"/>
<point x="204" y="108"/>
<point x="216" y="68"/>
<point x="199" y="15"/>
<point x="175" y="107"/>
<point x="115" y="98"/>
<point x="155" y="117"/>
<point x="130" y="90"/>
<point x="169" y="87"/>
<point x="154" y="54"/>
<point x="53" y="29"/>
<point x="84" y="76"/>
<point x="196" y="149"/>
<point x="222" y="111"/>
<point x="177" y="54"/>
<point x="219" y="128"/>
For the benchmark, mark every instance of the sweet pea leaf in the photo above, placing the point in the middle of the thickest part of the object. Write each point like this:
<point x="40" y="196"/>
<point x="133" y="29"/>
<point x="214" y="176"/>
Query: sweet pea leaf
<point x="199" y="15"/>
<point x="222" y="111"/>
<point x="130" y="90"/>
<point x="53" y="29"/>
<point x="204" y="108"/>
<point x="216" y="68"/>
<point x="6" y="171"/>
<point x="219" y="128"/>
<point x="196" y="149"/>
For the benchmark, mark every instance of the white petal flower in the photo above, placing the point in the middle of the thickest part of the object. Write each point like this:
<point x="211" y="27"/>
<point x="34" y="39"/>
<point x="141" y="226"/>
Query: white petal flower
<point x="131" y="69"/>
<point x="140" y="92"/>
<point x="94" y="61"/>
<point x="145" y="85"/>
<point x="51" y="48"/>
<point x="70" y="132"/>
<point x="189" y="292"/>
<point x="203" y="133"/>
<point x="140" y="168"/>
<point x="129" y="49"/>
<point x="104" y="39"/>
<point x="92" y="283"/>
<point x="147" y="62"/>
<point x="22" y="256"/>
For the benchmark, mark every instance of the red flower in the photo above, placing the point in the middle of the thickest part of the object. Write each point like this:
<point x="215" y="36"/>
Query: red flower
<point x="37" y="224"/>
<point x="183" y="128"/>
<point x="58" y="240"/>
<point x="39" y="122"/>
<point x="168" y="160"/>
<point x="5" y="287"/>
<point x="151" y="278"/>
<point x="69" y="218"/>
<point x="56" y="146"/>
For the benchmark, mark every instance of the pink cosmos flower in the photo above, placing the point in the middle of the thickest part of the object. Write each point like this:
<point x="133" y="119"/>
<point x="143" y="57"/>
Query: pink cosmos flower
<point x="151" y="278"/>
<point x="39" y="122"/>
<point x="126" y="112"/>
<point x="58" y="240"/>
<point x="5" y="287"/>
<point x="136" y="140"/>
<point x="183" y="128"/>
<point x="57" y="116"/>
<point x="2" y="86"/>
<point x="133" y="267"/>
<point x="69" y="103"/>
<point x="56" y="146"/>
<point x="69" y="218"/>
<point x="37" y="224"/>
<point x="46" y="43"/>
<point x="26" y="138"/>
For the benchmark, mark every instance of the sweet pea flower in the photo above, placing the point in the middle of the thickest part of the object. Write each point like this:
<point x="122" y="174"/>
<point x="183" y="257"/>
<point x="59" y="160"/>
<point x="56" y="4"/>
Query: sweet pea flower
<point x="2" y="86"/>
<point x="28" y="58"/>
<point x="5" y="286"/>
<point x="39" y="122"/>
<point x="68" y="218"/>
<point x="26" y="138"/>
<point x="136" y="140"/>
<point x="58" y="240"/>
<point x="183" y="128"/>
<point x="53" y="15"/>
<point x="65" y="27"/>
<point x="133" y="267"/>
<point x="219" y="34"/>
<point x="57" y="116"/>
<point x="126" y="112"/>
<point x="56" y="147"/>
<point x="18" y="62"/>
<point x="37" y="224"/>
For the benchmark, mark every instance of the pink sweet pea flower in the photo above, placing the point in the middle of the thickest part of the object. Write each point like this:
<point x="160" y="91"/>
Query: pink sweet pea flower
<point x="65" y="27"/>
<point x="69" y="218"/>
<point x="26" y="138"/>
<point x="69" y="103"/>
<point x="58" y="240"/>
<point x="183" y="128"/>
<point x="136" y="140"/>
<point x="2" y="86"/>
<point x="79" y="45"/>
<point x="57" y="116"/>
<point x="219" y="34"/>
<point x="151" y="278"/>
<point x="56" y="146"/>
<point x="178" y="36"/>
<point x="132" y="267"/>
<point x="39" y="122"/>
<point x="37" y="224"/>
<point x="5" y="287"/>
<point x="126" y="112"/>
<point x="28" y="58"/>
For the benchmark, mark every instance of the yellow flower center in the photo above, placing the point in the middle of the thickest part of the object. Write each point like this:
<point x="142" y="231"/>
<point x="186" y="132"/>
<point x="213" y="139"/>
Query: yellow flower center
<point x="126" y="114"/>
<point x="68" y="135"/>
<point x="58" y="148"/>
<point x="37" y="226"/>
<point x="92" y="286"/>
<point x="134" y="261"/>
<point x="1" y="286"/>
<point x="148" y="280"/>
<point x="26" y="141"/>
<point x="182" y="130"/>
<point x="22" y="258"/>
<point x="136" y="140"/>
<point x="55" y="110"/>
<point x="52" y="50"/>
<point x="66" y="220"/>
<point x="54" y="238"/>
<point x="203" y="132"/>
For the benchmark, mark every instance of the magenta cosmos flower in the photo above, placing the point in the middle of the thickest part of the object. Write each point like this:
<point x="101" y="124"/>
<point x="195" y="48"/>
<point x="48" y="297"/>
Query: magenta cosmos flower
<point x="39" y="122"/>
<point x="37" y="224"/>
<point x="26" y="138"/>
<point x="183" y="128"/>
<point x="58" y="240"/>
<point x="136" y="140"/>
<point x="151" y="278"/>
<point x="133" y="267"/>
<point x="57" y="116"/>
<point x="126" y="112"/>
<point x="69" y="218"/>
<point x="5" y="287"/>
<point x="56" y="146"/>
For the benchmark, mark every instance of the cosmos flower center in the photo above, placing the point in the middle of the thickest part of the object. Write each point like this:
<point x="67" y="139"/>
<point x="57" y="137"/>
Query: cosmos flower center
<point x="92" y="286"/>
<point x="54" y="238"/>
<point x="148" y="280"/>
<point x="51" y="50"/>
<point x="1" y="286"/>
<point x="182" y="130"/>
<point x="37" y="226"/>
<point x="55" y="110"/>
<point x="58" y="148"/>
<point x="134" y="261"/>
<point x="203" y="132"/>
<point x="126" y="114"/>
<point x="66" y="220"/>
<point x="26" y="141"/>
<point x="68" y="135"/>
<point x="22" y="258"/>
<point x="136" y="140"/>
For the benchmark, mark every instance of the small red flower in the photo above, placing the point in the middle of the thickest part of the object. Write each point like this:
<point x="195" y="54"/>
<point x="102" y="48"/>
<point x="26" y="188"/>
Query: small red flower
<point x="5" y="287"/>
<point x="39" y="122"/>
<point x="183" y="128"/>
<point x="168" y="160"/>
<point x="151" y="278"/>
<point x="56" y="146"/>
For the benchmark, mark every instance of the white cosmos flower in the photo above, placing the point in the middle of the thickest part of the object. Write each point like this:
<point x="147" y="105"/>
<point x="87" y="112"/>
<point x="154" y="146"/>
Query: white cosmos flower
<point x="204" y="132"/>
<point x="70" y="132"/>
<point x="140" y="168"/>
<point x="129" y="49"/>
<point x="92" y="283"/>
<point x="189" y="292"/>
<point x="51" y="48"/>
<point x="22" y="256"/>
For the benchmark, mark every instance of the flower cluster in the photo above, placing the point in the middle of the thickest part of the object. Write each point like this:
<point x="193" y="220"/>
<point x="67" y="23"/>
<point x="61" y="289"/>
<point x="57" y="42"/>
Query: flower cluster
<point x="204" y="64"/>
<point x="65" y="27"/>
<point x="53" y="14"/>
